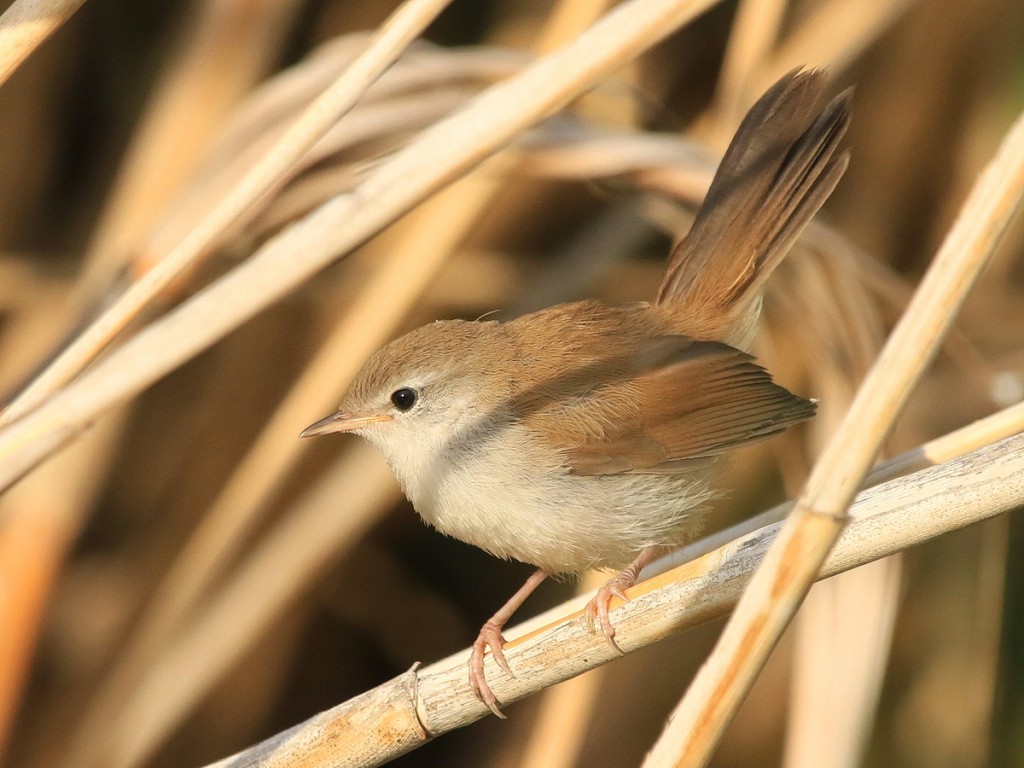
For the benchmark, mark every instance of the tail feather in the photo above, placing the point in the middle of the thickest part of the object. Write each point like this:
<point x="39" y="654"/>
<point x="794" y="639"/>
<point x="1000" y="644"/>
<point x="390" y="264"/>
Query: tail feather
<point x="778" y="171"/>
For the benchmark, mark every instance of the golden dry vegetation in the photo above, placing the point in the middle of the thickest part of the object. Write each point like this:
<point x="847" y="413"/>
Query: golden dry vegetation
<point x="193" y="265"/>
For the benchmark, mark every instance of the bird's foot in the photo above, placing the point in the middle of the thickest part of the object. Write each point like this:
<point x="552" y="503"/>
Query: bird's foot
<point x="490" y="636"/>
<point x="597" y="608"/>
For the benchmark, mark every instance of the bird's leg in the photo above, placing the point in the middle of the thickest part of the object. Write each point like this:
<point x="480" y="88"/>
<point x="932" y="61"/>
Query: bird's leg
<point x="490" y="635"/>
<point x="597" y="608"/>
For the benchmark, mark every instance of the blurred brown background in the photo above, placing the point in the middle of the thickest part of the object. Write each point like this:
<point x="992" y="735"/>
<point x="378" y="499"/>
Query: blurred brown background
<point x="333" y="584"/>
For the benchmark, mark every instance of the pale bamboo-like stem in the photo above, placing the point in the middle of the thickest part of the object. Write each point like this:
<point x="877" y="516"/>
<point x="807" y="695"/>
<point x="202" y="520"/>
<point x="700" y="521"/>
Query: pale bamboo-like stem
<point x="404" y="713"/>
<point x="391" y="39"/>
<point x="1004" y="423"/>
<point x="439" y="155"/>
<point x="567" y="19"/>
<point x="972" y="437"/>
<point x="173" y="135"/>
<point x="817" y="520"/>
<point x="559" y="729"/>
<point x="25" y="25"/>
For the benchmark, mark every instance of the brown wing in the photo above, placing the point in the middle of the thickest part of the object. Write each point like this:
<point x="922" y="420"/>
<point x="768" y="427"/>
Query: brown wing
<point x="697" y="400"/>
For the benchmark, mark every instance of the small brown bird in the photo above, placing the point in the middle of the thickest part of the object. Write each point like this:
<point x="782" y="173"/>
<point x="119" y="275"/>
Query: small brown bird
<point x="581" y="436"/>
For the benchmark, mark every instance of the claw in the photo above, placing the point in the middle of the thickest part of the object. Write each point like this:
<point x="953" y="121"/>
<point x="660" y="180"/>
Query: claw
<point x="597" y="608"/>
<point x="490" y="636"/>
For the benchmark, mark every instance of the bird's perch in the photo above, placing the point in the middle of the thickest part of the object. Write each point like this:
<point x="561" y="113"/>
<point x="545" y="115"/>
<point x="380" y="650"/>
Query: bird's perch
<point x="403" y="713"/>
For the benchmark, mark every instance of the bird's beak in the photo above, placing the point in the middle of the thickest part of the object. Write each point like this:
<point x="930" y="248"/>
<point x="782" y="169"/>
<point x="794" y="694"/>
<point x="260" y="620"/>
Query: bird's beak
<point x="342" y="422"/>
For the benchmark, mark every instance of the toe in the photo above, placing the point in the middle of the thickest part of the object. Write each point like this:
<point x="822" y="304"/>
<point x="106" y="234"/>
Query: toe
<point x="483" y="692"/>
<point x="598" y="614"/>
<point x="499" y="658"/>
<point x="491" y="637"/>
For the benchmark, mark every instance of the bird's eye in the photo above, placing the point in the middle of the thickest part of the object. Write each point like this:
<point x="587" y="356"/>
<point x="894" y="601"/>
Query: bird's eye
<point x="403" y="399"/>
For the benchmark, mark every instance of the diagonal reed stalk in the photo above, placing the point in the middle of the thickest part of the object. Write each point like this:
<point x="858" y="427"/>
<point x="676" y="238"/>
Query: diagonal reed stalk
<point x="782" y="581"/>
<point x="406" y="712"/>
<point x="401" y="274"/>
<point x="25" y="25"/>
<point x="393" y="37"/>
<point x="438" y="156"/>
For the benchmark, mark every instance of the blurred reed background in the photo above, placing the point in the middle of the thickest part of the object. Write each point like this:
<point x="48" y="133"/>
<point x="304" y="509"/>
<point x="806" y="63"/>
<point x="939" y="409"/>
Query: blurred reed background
<point x="189" y="577"/>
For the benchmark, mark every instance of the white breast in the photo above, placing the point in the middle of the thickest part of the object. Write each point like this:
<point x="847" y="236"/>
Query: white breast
<point x="519" y="502"/>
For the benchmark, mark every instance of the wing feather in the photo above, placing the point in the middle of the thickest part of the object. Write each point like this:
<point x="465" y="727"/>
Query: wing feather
<point x="708" y="399"/>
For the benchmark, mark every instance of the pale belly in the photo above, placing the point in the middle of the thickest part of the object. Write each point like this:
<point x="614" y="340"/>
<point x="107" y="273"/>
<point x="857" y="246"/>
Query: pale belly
<point x="502" y="502"/>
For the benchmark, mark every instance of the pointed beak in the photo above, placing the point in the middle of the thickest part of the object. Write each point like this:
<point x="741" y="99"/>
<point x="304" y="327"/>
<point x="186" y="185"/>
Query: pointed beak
<point x="341" y="422"/>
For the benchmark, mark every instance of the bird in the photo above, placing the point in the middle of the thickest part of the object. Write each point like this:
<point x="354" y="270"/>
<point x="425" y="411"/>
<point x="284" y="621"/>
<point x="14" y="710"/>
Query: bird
<point x="583" y="435"/>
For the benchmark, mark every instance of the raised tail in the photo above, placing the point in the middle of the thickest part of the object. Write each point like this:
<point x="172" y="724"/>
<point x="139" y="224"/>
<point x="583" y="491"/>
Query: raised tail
<point x="779" y="169"/>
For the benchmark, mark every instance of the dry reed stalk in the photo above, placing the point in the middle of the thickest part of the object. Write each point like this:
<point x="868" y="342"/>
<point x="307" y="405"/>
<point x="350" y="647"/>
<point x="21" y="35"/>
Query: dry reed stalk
<point x="32" y="552"/>
<point x="43" y="516"/>
<point x="751" y="39"/>
<point x="566" y="20"/>
<point x="426" y="702"/>
<point x="404" y="271"/>
<point x="390" y="40"/>
<point x="750" y="44"/>
<point x="65" y="490"/>
<point x="838" y="651"/>
<point x="219" y="634"/>
<point x="276" y="451"/>
<point x="973" y="437"/>
<point x="558" y="732"/>
<point x="427" y="240"/>
<point x="819" y="516"/>
<point x="179" y="672"/>
<point x="422" y="87"/>
<point x="840" y="645"/>
<point x="25" y="25"/>
<point x="1006" y="422"/>
<point x="118" y="481"/>
<point x="166" y="149"/>
<point x="267" y="111"/>
<point x="842" y="640"/>
<point x="439" y="155"/>
<point x="834" y="32"/>
<point x="591" y="154"/>
<point x="49" y="508"/>
<point x="26" y="559"/>
<point x="399" y="278"/>
<point x="139" y="666"/>
<point x="988" y="622"/>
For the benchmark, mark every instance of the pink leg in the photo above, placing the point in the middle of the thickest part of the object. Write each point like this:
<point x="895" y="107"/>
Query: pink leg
<point x="597" y="608"/>
<point x="490" y="635"/>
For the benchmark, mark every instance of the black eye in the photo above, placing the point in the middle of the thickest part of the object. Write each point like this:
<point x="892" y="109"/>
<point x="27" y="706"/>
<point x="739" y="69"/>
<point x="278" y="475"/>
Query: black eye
<point x="403" y="399"/>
